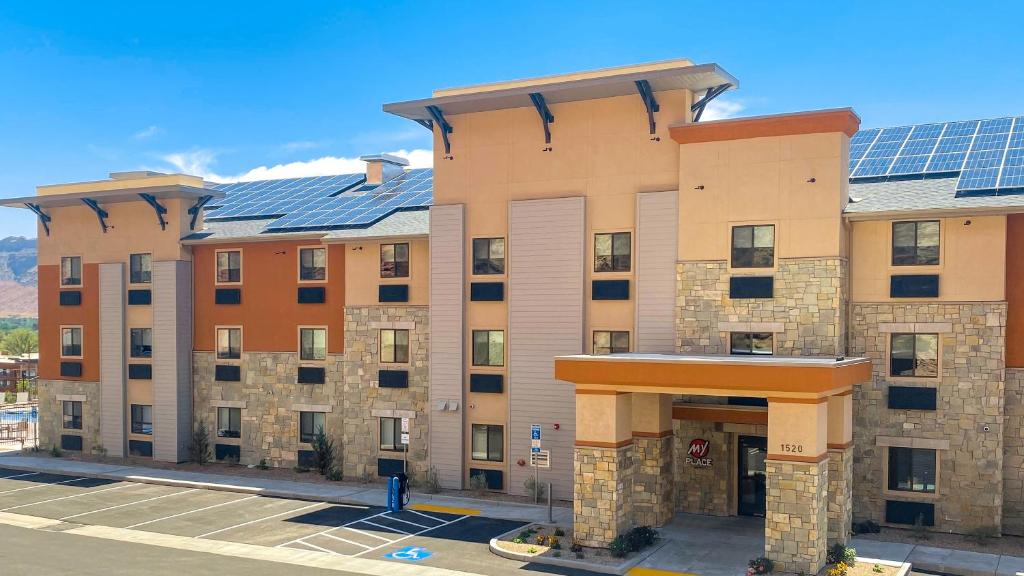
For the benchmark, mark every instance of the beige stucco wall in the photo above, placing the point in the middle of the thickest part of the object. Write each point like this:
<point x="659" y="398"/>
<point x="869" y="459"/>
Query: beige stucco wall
<point x="362" y="272"/>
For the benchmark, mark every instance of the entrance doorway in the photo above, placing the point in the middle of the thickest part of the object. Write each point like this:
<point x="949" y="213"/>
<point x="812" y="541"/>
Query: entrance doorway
<point x="751" y="490"/>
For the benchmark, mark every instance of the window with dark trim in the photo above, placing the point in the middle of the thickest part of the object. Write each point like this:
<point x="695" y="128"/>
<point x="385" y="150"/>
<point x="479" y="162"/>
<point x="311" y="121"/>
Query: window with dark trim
<point x="309" y="424"/>
<point x="391" y="434"/>
<point x="914" y="355"/>
<point x="394" y="346"/>
<point x="71" y="271"/>
<point x="488" y="256"/>
<point x="71" y="342"/>
<point x="753" y="246"/>
<point x="72" y="414"/>
<point x="612" y="252"/>
<point x="488" y="348"/>
<point x="611" y="342"/>
<point x="751" y="343"/>
<point x="229" y="267"/>
<point x="142" y="419"/>
<point x="229" y="422"/>
<point x="313" y="344"/>
<point x="312" y="264"/>
<point x="229" y="343"/>
<point x="912" y="469"/>
<point x="140" y="268"/>
<point x="488" y="442"/>
<point x="915" y="243"/>
<point x="141" y="343"/>
<point x="394" y="260"/>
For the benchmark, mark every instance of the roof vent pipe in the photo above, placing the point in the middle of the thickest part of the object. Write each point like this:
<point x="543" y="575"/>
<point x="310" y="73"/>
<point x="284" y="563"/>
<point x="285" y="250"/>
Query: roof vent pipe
<point x="383" y="167"/>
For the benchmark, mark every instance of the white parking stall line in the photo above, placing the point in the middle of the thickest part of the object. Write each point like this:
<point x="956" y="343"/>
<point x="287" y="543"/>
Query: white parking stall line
<point x="343" y="540"/>
<point x="20" y="475"/>
<point x="189" y="512"/>
<point x="396" y="519"/>
<point x="127" y="504"/>
<point x="333" y="528"/>
<point x="260" y="519"/>
<point x="434" y="518"/>
<point x="65" y="497"/>
<point x="44" y="485"/>
<point x="365" y="533"/>
<point x="383" y="527"/>
<point x="410" y="536"/>
<point x="315" y="547"/>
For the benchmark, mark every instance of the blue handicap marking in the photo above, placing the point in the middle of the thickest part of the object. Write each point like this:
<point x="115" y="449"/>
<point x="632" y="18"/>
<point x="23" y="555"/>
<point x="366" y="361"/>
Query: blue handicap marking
<point x="414" y="553"/>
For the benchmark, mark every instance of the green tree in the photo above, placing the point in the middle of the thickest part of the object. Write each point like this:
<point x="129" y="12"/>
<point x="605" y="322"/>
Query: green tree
<point x="20" y="341"/>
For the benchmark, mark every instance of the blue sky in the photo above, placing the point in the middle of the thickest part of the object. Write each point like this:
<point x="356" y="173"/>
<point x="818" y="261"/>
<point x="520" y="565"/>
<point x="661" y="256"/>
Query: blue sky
<point x="225" y="88"/>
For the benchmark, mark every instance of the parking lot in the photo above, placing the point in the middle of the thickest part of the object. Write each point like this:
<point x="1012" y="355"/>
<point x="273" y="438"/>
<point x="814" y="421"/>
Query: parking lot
<point x="433" y="536"/>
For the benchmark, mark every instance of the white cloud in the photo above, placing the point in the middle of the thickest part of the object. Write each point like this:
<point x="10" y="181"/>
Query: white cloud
<point x="719" y="109"/>
<point x="148" y="132"/>
<point x="300" y="145"/>
<point x="199" y="162"/>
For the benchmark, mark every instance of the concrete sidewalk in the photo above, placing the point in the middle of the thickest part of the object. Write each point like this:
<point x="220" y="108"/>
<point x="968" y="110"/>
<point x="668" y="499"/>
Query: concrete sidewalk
<point x="941" y="560"/>
<point x="341" y="492"/>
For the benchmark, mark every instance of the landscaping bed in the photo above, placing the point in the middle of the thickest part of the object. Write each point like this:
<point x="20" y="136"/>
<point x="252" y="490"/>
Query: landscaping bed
<point x="549" y="544"/>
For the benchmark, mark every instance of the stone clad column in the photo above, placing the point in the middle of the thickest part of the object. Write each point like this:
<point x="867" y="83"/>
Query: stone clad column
<point x="840" y="467"/>
<point x="796" y="519"/>
<point x="653" y="485"/>
<point x="603" y="466"/>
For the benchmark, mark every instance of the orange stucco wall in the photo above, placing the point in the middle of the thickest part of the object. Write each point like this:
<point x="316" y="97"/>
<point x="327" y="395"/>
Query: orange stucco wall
<point x="269" y="313"/>
<point x="52" y="316"/>
<point x="1015" y="291"/>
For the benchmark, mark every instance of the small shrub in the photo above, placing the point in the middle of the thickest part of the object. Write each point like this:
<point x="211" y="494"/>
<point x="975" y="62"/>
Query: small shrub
<point x="554" y="543"/>
<point x="531" y="550"/>
<point x="559" y="532"/>
<point x="840" y="553"/>
<point x="334" y="475"/>
<point x="839" y="569"/>
<point x="263" y="464"/>
<point x="538" y="491"/>
<point x="478" y="484"/>
<point x="323" y="452"/>
<point x="432" y="481"/>
<point x="760" y="565"/>
<point x="56" y="452"/>
<point x="199" y="449"/>
<point x="866" y="527"/>
<point x="641" y="537"/>
<point x="527" y="534"/>
<point x="557" y="554"/>
<point x="576" y="547"/>
<point x="877" y="569"/>
<point x="518" y="540"/>
<point x="542" y="540"/>
<point x="619" y="547"/>
<point x="9" y="397"/>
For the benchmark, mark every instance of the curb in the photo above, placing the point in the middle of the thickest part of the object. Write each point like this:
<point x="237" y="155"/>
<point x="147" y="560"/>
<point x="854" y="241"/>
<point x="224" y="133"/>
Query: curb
<point x="618" y="569"/>
<point x="904" y="567"/>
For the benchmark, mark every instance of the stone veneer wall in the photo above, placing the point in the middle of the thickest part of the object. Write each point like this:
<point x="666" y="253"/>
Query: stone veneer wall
<point x="840" y="495"/>
<point x="796" y="520"/>
<point x="366" y="403"/>
<point x="653" y="481"/>
<point x="51" y="412"/>
<point x="1013" y="453"/>
<point x="602" y="502"/>
<point x="969" y="398"/>
<point x="704" y="490"/>
<point x="809" y="300"/>
<point x="270" y="399"/>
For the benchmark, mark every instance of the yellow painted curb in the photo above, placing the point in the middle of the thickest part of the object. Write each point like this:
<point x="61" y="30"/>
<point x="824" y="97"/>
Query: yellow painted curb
<point x="445" y="509"/>
<point x="655" y="572"/>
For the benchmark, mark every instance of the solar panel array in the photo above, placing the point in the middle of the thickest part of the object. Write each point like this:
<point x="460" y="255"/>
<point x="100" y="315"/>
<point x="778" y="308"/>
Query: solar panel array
<point x="988" y="155"/>
<point x="322" y="202"/>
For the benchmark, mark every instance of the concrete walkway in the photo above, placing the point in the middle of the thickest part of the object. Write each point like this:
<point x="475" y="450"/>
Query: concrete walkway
<point x="342" y="493"/>
<point x="941" y="560"/>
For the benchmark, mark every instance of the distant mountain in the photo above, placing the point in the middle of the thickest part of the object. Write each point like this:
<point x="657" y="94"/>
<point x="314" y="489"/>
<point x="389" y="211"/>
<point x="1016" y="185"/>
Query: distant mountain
<point x="18" y="277"/>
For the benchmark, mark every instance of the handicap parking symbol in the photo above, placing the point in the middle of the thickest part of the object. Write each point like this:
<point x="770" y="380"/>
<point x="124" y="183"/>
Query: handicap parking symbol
<point x="413" y="553"/>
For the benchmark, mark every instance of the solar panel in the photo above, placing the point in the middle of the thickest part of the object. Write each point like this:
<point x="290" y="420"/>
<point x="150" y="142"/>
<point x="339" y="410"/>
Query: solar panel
<point x="275" y="198"/>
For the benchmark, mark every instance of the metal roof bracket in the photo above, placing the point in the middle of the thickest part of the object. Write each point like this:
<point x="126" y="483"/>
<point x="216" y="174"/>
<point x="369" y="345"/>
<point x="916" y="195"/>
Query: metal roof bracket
<point x="428" y="124"/>
<point x="159" y="208"/>
<point x="647" y="95"/>
<point x="194" y="210"/>
<point x="698" y="107"/>
<point x="445" y="128"/>
<point x="545" y="116"/>
<point x="100" y="212"/>
<point x="44" y="218"/>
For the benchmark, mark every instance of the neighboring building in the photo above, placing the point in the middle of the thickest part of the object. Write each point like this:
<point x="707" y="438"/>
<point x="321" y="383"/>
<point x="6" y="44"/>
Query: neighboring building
<point x="15" y="369"/>
<point x="778" y="316"/>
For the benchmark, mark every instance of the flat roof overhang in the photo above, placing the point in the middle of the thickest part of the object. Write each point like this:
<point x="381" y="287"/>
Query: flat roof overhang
<point x="110" y="196"/>
<point x="485" y="98"/>
<point x="752" y="376"/>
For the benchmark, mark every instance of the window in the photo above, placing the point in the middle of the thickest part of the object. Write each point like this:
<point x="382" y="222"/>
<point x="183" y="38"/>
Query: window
<point x="71" y="271"/>
<point x="72" y="415"/>
<point x="753" y="246"/>
<point x="488" y="256"/>
<point x="394" y="346"/>
<point x="142" y="419"/>
<point x="229" y="422"/>
<point x="71" y="342"/>
<point x="488" y="348"/>
<point x="229" y="267"/>
<point x="394" y="260"/>
<point x="141" y="268"/>
<point x="915" y="243"/>
<point x="612" y="252"/>
<point x="309" y="424"/>
<point x="391" y="434"/>
<point x="606" y="342"/>
<point x="756" y="343"/>
<point x="313" y="344"/>
<point x="488" y="442"/>
<point x="914" y="355"/>
<point x="229" y="343"/>
<point x="912" y="469"/>
<point x="312" y="264"/>
<point x="141" y="343"/>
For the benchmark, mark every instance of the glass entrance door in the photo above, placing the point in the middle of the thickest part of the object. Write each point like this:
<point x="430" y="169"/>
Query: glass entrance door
<point x="752" y="451"/>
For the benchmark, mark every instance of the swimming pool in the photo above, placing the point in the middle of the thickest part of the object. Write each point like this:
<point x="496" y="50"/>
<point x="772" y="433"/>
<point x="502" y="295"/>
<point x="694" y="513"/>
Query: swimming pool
<point x="11" y="416"/>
